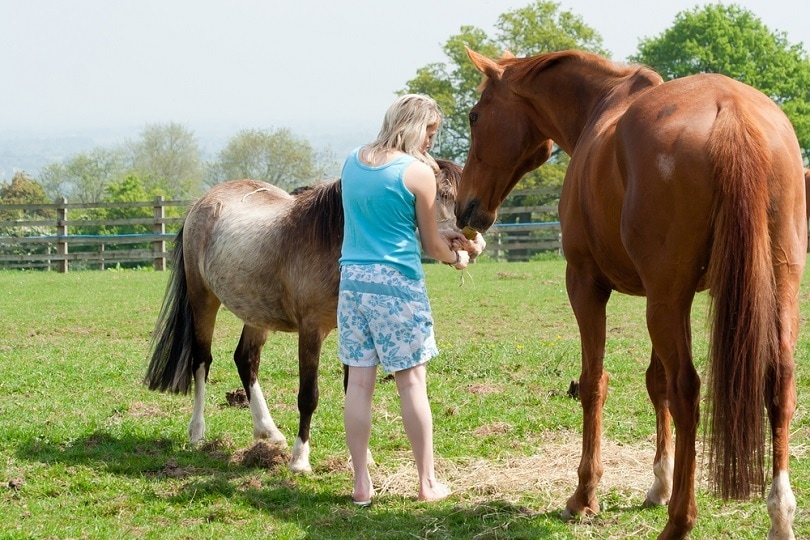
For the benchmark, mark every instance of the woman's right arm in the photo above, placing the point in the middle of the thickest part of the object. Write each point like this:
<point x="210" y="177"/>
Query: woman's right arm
<point x="421" y="181"/>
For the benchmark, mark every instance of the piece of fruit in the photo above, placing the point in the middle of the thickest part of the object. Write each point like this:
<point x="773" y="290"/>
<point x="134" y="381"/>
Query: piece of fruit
<point x="469" y="232"/>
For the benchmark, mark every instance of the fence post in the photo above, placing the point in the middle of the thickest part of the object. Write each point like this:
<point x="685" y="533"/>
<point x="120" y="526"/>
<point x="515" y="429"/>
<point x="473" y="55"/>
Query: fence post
<point x="61" y="233"/>
<point x="159" y="246"/>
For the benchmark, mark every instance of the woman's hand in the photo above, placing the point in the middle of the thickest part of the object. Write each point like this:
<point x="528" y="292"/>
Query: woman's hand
<point x="462" y="259"/>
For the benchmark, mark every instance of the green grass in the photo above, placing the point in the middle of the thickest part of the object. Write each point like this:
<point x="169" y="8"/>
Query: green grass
<point x="86" y="451"/>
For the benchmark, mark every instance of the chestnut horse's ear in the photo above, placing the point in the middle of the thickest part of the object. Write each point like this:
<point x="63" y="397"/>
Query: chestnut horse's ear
<point x="485" y="65"/>
<point x="507" y="55"/>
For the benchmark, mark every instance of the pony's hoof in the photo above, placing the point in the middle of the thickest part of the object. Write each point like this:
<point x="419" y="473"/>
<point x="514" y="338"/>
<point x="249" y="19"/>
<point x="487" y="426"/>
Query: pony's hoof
<point x="300" y="457"/>
<point x="277" y="438"/>
<point x="652" y="501"/>
<point x="300" y="468"/>
<point x="196" y="433"/>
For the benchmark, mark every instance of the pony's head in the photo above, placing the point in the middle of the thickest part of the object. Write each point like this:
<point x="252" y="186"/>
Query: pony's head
<point x="447" y="182"/>
<point x="505" y="144"/>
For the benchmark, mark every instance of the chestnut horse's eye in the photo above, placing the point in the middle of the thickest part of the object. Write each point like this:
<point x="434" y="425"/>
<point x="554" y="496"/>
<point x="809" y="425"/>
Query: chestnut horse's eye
<point x="473" y="118"/>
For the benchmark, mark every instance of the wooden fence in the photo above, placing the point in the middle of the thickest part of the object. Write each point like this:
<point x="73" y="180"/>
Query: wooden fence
<point x="51" y="242"/>
<point x="54" y="243"/>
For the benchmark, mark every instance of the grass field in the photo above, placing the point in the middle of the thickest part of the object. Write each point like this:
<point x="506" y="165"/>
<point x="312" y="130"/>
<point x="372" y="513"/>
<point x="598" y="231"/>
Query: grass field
<point x="86" y="451"/>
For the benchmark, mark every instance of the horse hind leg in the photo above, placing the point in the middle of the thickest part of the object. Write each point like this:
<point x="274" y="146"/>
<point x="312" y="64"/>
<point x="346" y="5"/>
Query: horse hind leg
<point x="205" y="307"/>
<point x="780" y="394"/>
<point x="668" y="322"/>
<point x="664" y="463"/>
<point x="247" y="358"/>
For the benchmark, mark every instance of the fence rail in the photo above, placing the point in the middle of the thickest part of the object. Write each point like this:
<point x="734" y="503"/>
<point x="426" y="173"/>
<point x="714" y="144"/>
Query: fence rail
<point x="51" y="239"/>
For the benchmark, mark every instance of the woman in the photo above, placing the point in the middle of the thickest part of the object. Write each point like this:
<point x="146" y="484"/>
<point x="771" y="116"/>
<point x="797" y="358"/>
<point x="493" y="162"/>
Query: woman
<point x="384" y="317"/>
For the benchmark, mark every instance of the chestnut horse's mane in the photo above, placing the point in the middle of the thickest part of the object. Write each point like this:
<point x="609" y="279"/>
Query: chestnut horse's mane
<point x="524" y="68"/>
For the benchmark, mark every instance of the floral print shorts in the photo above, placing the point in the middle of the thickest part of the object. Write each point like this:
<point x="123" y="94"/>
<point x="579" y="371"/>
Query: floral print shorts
<point x="383" y="318"/>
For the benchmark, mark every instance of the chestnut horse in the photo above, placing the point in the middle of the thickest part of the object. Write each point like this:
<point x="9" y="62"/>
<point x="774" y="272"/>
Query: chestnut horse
<point x="272" y="259"/>
<point x="672" y="188"/>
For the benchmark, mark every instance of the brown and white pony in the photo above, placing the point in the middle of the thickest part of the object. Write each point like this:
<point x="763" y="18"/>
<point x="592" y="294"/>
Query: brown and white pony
<point x="672" y="188"/>
<point x="272" y="259"/>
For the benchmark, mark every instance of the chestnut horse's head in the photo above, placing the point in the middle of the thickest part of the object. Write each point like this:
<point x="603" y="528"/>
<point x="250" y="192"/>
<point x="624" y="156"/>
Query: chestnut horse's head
<point x="505" y="144"/>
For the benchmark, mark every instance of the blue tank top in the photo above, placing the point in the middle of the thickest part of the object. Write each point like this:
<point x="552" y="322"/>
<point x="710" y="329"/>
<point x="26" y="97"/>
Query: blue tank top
<point x="379" y="216"/>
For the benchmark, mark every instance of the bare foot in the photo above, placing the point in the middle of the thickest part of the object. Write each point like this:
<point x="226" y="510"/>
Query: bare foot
<point x="363" y="490"/>
<point x="436" y="492"/>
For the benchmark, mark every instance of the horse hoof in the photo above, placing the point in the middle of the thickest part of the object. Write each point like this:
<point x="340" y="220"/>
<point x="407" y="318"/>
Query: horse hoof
<point x="196" y="433"/>
<point x="276" y="438"/>
<point x="300" y="457"/>
<point x="651" y="502"/>
<point x="573" y="511"/>
<point x="300" y="468"/>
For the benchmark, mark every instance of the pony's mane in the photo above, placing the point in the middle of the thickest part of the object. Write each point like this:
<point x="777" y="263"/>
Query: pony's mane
<point x="447" y="180"/>
<point x="321" y="208"/>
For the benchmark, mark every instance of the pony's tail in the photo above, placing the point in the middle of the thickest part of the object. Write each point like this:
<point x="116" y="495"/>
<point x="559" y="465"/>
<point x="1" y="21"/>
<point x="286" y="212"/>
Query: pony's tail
<point x="745" y="322"/>
<point x="171" y="365"/>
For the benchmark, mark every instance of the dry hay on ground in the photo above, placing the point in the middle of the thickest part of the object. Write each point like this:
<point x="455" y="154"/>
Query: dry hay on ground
<point x="549" y="475"/>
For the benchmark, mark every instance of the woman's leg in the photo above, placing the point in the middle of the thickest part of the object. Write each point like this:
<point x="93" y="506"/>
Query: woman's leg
<point x="418" y="421"/>
<point x="357" y="422"/>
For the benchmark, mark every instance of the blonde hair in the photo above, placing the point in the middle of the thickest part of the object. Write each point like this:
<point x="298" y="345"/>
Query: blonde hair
<point x="405" y="126"/>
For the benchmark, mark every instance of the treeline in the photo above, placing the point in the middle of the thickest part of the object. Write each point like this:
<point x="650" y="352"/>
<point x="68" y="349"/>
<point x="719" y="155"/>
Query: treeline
<point x="165" y="159"/>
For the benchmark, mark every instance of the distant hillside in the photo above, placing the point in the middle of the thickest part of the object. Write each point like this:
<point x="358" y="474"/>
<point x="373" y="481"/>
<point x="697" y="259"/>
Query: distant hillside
<point x="29" y="152"/>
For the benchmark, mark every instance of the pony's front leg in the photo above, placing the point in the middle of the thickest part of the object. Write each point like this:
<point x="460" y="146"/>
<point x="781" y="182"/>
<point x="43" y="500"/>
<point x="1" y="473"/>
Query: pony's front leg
<point x="588" y="301"/>
<point x="310" y="340"/>
<point x="196" y="428"/>
<point x="247" y="358"/>
<point x="664" y="463"/>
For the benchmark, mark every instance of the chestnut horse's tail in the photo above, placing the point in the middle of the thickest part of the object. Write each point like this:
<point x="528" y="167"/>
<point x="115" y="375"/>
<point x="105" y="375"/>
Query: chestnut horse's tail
<point x="745" y="323"/>
<point x="171" y="366"/>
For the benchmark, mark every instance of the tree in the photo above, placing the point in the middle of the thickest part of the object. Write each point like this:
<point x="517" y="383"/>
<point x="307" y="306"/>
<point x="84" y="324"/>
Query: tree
<point x="22" y="190"/>
<point x="537" y="28"/>
<point x="278" y="157"/>
<point x="84" y="177"/>
<point x="733" y="41"/>
<point x="128" y="189"/>
<point x="167" y="159"/>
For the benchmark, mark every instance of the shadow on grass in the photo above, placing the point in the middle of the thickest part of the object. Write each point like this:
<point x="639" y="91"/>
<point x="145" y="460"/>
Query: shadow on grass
<point x="127" y="455"/>
<point x="202" y="476"/>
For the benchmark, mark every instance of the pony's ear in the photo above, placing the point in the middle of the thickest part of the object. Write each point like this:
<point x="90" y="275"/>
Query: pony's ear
<point x="507" y="55"/>
<point x="485" y="65"/>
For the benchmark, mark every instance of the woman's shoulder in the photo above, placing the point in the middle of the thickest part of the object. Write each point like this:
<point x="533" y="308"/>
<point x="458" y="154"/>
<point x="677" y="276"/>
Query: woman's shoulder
<point x="419" y="178"/>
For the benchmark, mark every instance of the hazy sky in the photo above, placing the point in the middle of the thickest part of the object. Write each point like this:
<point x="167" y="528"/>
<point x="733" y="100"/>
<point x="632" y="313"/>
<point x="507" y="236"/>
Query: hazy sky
<point x="325" y="66"/>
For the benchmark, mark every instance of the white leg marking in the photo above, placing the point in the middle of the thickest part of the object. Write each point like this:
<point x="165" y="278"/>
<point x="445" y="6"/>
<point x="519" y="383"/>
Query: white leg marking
<point x="196" y="429"/>
<point x="661" y="490"/>
<point x="263" y="425"/>
<point x="300" y="457"/>
<point x="781" y="508"/>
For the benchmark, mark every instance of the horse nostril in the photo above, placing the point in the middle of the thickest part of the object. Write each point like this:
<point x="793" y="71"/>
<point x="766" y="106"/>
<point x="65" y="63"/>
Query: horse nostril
<point x="463" y="214"/>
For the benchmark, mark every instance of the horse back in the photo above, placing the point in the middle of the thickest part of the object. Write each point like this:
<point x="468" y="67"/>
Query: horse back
<point x="250" y="249"/>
